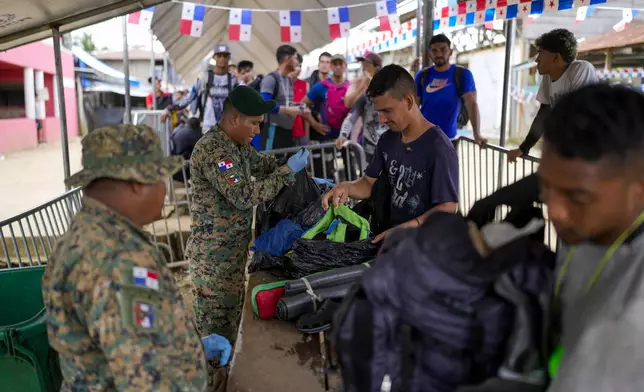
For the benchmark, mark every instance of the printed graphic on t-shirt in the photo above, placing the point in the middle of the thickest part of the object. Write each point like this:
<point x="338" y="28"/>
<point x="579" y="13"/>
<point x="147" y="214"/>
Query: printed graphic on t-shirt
<point x="437" y="84"/>
<point x="404" y="178"/>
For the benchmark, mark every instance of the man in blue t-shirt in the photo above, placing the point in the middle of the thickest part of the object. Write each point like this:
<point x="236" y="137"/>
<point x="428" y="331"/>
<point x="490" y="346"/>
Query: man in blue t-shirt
<point x="419" y="160"/>
<point x="438" y="95"/>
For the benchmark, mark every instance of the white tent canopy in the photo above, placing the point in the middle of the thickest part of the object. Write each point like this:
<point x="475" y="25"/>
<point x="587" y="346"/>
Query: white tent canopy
<point x="25" y="21"/>
<point x="189" y="53"/>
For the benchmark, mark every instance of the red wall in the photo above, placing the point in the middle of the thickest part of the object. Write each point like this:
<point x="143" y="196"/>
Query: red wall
<point x="17" y="134"/>
<point x="12" y="75"/>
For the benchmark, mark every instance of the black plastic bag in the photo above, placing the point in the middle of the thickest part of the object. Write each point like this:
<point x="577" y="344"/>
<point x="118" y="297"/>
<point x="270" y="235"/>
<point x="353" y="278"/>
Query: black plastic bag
<point x="293" y="199"/>
<point x="288" y="203"/>
<point x="311" y="256"/>
<point x="310" y="215"/>
<point x="264" y="261"/>
<point x="376" y="209"/>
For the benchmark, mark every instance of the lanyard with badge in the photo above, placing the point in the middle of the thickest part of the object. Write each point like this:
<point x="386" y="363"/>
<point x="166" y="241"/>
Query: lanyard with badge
<point x="557" y="355"/>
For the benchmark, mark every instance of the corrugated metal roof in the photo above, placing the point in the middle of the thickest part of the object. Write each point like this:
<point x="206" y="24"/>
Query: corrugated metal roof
<point x="632" y="35"/>
<point x="25" y="21"/>
<point x="189" y="54"/>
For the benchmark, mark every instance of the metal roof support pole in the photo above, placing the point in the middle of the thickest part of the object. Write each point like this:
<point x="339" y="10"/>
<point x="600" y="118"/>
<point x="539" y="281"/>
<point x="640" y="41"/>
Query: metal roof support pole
<point x="510" y="32"/>
<point x="419" y="16"/>
<point x="428" y="30"/>
<point x="126" y="72"/>
<point x="60" y="91"/>
<point x="154" y="80"/>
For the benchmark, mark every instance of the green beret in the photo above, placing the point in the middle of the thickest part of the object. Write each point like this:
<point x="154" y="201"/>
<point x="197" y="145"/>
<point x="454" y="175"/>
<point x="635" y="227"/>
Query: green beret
<point x="249" y="102"/>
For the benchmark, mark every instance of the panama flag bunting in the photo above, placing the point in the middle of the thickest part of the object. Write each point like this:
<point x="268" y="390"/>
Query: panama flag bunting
<point x="291" y="26"/>
<point x="387" y="12"/>
<point x="240" y="24"/>
<point x="339" y="23"/>
<point x="192" y="19"/>
<point x="142" y="18"/>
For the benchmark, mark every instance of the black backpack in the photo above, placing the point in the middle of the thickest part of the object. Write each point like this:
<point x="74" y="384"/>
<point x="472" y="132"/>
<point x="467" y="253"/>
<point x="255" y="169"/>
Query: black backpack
<point x="433" y="315"/>
<point x="257" y="83"/>
<point x="463" y="117"/>
<point x="203" y="98"/>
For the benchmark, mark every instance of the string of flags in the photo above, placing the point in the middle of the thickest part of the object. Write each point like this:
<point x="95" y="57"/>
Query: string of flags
<point x="447" y="14"/>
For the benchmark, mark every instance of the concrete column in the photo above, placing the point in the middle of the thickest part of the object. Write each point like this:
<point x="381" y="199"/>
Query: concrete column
<point x="40" y="90"/>
<point x="30" y="93"/>
<point x="56" y="108"/>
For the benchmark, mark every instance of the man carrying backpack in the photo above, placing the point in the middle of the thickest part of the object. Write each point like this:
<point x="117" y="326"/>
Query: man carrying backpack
<point x="329" y="96"/>
<point x="277" y="130"/>
<point x="208" y="94"/>
<point x="447" y="93"/>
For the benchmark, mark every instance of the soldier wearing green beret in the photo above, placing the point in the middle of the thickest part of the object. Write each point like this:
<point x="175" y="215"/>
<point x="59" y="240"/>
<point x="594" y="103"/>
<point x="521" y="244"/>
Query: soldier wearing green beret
<point x="223" y="196"/>
<point x="115" y="314"/>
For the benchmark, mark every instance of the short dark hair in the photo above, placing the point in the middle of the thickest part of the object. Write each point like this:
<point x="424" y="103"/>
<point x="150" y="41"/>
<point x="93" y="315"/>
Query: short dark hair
<point x="393" y="80"/>
<point x="440" y="39"/>
<point x="324" y="54"/>
<point x="299" y="57"/>
<point x="283" y="52"/>
<point x="194" y="124"/>
<point x="560" y="41"/>
<point x="596" y="122"/>
<point x="245" y="64"/>
<point x="228" y="107"/>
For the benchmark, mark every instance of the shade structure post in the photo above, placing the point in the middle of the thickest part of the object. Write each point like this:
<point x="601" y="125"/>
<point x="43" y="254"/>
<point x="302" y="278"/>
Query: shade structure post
<point x="126" y="73"/>
<point x="60" y="91"/>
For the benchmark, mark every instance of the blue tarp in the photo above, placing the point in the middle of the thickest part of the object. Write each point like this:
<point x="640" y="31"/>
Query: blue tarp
<point x="86" y="60"/>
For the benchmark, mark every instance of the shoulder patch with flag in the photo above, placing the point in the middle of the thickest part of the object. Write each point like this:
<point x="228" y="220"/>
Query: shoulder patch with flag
<point x="143" y="277"/>
<point x="240" y="24"/>
<point x="225" y="165"/>
<point x="233" y="179"/>
<point x="142" y="18"/>
<point x="291" y="26"/>
<point x="192" y="19"/>
<point x="144" y="314"/>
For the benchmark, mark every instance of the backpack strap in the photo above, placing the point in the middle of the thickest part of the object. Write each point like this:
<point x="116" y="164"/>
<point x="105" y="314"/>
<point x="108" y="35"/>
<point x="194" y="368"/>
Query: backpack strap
<point x="203" y="99"/>
<point x="458" y="80"/>
<point x="424" y="74"/>
<point x="230" y="81"/>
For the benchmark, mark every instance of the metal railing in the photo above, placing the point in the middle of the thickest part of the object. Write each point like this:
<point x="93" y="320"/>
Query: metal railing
<point x="326" y="160"/>
<point x="28" y="239"/>
<point x="152" y="118"/>
<point x="483" y="170"/>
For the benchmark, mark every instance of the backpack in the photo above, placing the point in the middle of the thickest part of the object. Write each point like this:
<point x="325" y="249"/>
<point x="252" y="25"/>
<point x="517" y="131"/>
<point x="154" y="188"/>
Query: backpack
<point x="427" y="317"/>
<point x="334" y="107"/>
<point x="203" y="98"/>
<point x="257" y="83"/>
<point x="463" y="117"/>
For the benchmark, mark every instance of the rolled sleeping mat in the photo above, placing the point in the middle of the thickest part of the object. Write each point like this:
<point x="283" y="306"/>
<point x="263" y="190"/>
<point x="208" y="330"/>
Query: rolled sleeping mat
<point x="321" y="280"/>
<point x="290" y="308"/>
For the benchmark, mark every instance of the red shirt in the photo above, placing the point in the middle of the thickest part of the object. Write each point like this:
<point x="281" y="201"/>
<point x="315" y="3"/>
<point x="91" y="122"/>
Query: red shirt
<point x="148" y="99"/>
<point x="299" y="92"/>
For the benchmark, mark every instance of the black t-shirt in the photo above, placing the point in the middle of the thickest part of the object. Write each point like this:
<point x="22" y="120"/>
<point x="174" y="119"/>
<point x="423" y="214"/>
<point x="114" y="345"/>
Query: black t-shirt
<point x="422" y="173"/>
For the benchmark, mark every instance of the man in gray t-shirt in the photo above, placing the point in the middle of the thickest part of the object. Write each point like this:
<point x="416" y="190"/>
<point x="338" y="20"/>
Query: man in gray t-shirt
<point x="592" y="181"/>
<point x="277" y="131"/>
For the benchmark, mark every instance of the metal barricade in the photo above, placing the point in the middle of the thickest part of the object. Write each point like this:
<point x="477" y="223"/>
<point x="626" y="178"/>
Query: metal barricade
<point x="152" y="118"/>
<point x="485" y="170"/>
<point x="346" y="164"/>
<point x="28" y="239"/>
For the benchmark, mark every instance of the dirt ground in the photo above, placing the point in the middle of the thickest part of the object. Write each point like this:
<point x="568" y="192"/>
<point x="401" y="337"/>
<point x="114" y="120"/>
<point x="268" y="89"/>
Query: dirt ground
<point x="31" y="177"/>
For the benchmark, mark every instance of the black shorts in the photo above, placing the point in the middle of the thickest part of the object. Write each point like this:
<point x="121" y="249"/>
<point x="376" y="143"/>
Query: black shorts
<point x="275" y="137"/>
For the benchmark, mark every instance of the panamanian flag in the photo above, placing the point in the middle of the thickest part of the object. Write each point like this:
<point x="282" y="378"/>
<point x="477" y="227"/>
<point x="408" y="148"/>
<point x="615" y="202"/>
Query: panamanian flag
<point x="225" y="165"/>
<point x="145" y="278"/>
<point x="291" y="26"/>
<point x="192" y="19"/>
<point x="240" y="24"/>
<point x="142" y="18"/>
<point x="339" y="23"/>
<point x="387" y="12"/>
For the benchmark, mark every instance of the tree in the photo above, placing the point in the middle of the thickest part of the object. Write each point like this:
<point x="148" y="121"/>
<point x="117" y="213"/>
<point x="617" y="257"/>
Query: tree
<point x="87" y="43"/>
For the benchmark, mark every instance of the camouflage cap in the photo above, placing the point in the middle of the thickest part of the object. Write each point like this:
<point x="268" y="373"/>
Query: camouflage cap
<point x="124" y="152"/>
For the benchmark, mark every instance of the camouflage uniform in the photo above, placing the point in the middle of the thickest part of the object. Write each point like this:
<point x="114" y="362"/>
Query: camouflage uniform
<point x="115" y="314"/>
<point x="223" y="196"/>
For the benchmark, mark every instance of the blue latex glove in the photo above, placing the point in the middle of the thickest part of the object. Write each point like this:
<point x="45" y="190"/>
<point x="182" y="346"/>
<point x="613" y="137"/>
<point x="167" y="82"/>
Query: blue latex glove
<point x="298" y="161"/>
<point x="323" y="181"/>
<point x="217" y="346"/>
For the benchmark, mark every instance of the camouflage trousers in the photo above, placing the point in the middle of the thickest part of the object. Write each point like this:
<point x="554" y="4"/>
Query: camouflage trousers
<point x="217" y="275"/>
